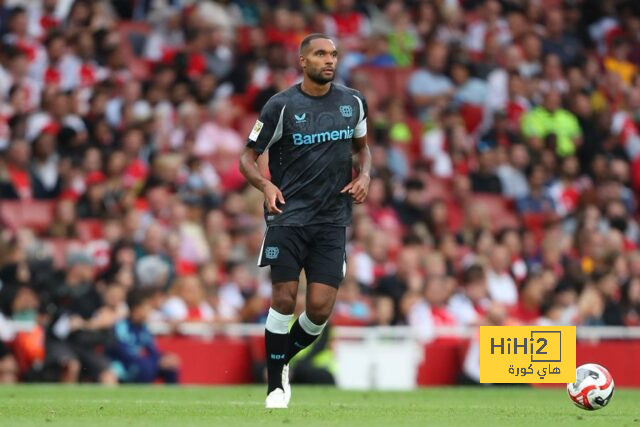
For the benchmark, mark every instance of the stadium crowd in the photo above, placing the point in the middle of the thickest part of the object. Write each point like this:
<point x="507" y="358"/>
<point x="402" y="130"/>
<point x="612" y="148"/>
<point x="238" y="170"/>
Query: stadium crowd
<point x="506" y="149"/>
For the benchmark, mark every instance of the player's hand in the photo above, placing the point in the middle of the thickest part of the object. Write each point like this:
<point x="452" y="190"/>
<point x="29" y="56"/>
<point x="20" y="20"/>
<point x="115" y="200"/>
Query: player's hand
<point x="358" y="188"/>
<point x="272" y="195"/>
<point x="169" y="361"/>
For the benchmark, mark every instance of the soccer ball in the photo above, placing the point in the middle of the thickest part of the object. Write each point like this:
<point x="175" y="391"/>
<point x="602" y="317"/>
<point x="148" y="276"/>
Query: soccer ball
<point x="593" y="388"/>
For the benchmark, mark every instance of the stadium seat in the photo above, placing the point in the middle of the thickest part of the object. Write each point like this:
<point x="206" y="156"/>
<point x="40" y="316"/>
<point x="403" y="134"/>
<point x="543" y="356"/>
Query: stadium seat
<point x="499" y="210"/>
<point x="417" y="129"/>
<point x="34" y="214"/>
<point x="438" y="188"/>
<point x="377" y="78"/>
<point x="537" y="222"/>
<point x="399" y="80"/>
<point x="472" y="116"/>
<point x="89" y="229"/>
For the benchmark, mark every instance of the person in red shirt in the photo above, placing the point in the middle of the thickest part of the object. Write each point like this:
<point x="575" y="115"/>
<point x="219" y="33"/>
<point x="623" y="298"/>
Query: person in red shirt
<point x="532" y="294"/>
<point x="15" y="179"/>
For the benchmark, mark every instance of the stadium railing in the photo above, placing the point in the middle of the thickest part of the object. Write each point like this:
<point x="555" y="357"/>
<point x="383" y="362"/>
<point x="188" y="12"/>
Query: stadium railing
<point x="209" y="330"/>
<point x="365" y="357"/>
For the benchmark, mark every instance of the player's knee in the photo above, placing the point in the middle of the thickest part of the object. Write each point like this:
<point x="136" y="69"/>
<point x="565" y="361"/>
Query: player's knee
<point x="108" y="377"/>
<point x="318" y="313"/>
<point x="284" y="303"/>
<point x="73" y="366"/>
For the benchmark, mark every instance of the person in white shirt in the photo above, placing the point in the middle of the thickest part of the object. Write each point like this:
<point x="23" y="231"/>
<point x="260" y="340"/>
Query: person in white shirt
<point x="471" y="302"/>
<point x="502" y="287"/>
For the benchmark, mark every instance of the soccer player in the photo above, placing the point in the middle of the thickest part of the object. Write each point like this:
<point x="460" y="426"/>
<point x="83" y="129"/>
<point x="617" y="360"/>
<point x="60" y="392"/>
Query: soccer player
<point x="312" y="131"/>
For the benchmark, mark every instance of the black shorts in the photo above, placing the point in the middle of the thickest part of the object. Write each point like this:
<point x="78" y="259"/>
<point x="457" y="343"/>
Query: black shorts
<point x="92" y="363"/>
<point x="319" y="249"/>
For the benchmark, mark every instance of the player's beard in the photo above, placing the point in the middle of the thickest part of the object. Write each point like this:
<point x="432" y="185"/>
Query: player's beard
<point x="317" y="77"/>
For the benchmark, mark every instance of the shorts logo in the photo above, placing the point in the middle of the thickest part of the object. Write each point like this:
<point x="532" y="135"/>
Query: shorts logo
<point x="271" y="252"/>
<point x="300" y="118"/>
<point x="346" y="110"/>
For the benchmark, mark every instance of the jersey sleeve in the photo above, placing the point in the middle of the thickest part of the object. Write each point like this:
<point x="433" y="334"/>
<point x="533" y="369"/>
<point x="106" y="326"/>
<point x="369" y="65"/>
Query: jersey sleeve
<point x="361" y="127"/>
<point x="268" y="128"/>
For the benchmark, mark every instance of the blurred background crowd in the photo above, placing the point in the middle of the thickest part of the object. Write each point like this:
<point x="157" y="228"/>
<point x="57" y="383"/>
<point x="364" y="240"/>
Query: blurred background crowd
<point x="506" y="168"/>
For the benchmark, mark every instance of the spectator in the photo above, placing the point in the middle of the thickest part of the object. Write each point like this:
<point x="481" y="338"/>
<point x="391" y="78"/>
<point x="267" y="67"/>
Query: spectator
<point x="407" y="278"/>
<point x="559" y="41"/>
<point x="429" y="312"/>
<point x="496" y="316"/>
<point x="610" y="290"/>
<point x="15" y="180"/>
<point x="135" y="356"/>
<point x="528" y="309"/>
<point x="64" y="223"/>
<point x="490" y="21"/>
<point x="8" y="365"/>
<point x="537" y="201"/>
<point x="469" y="305"/>
<point x="429" y="87"/>
<point x="631" y="302"/>
<point x="501" y="286"/>
<point x="551" y="119"/>
<point x="352" y="306"/>
<point x="79" y="327"/>
<point x="485" y="180"/>
<point x="411" y="210"/>
<point x="469" y="90"/>
<point x="511" y="172"/>
<point x="188" y="302"/>
<point x="590" y="308"/>
<point x="498" y="82"/>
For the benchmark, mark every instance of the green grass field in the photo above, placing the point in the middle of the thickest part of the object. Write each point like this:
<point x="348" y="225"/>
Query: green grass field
<point x="243" y="406"/>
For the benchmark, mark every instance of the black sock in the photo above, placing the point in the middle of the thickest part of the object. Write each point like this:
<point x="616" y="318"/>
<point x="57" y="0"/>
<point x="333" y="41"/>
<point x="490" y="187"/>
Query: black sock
<point x="298" y="339"/>
<point x="276" y="345"/>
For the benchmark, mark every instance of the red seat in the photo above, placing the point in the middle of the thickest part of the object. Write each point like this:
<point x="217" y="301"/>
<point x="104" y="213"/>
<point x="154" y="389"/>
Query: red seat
<point x="34" y="214"/>
<point x="89" y="229"/>
<point x="417" y="130"/>
<point x="537" y="222"/>
<point x="472" y="116"/>
<point x="438" y="188"/>
<point x="499" y="210"/>
<point x="400" y="80"/>
<point x="376" y="78"/>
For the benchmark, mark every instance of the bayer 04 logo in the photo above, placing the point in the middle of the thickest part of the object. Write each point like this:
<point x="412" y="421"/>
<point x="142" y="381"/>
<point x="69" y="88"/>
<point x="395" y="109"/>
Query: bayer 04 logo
<point x="346" y="110"/>
<point x="271" y="252"/>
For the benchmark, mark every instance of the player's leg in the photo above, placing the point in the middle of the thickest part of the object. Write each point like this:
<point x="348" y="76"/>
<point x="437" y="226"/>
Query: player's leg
<point x="321" y="298"/>
<point x="283" y="302"/>
<point x="325" y="268"/>
<point x="283" y="250"/>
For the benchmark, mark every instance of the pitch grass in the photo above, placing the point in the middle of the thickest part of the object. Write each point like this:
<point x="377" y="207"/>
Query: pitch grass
<point x="87" y="406"/>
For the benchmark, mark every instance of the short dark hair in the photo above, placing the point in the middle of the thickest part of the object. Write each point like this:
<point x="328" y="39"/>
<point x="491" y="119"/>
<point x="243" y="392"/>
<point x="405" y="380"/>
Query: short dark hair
<point x="137" y="297"/>
<point x="473" y="273"/>
<point x="17" y="10"/>
<point x="414" y="184"/>
<point x="307" y="40"/>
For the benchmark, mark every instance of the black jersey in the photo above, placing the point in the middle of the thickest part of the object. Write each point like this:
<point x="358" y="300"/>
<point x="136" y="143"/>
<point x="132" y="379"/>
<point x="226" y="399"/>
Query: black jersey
<point x="309" y="141"/>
